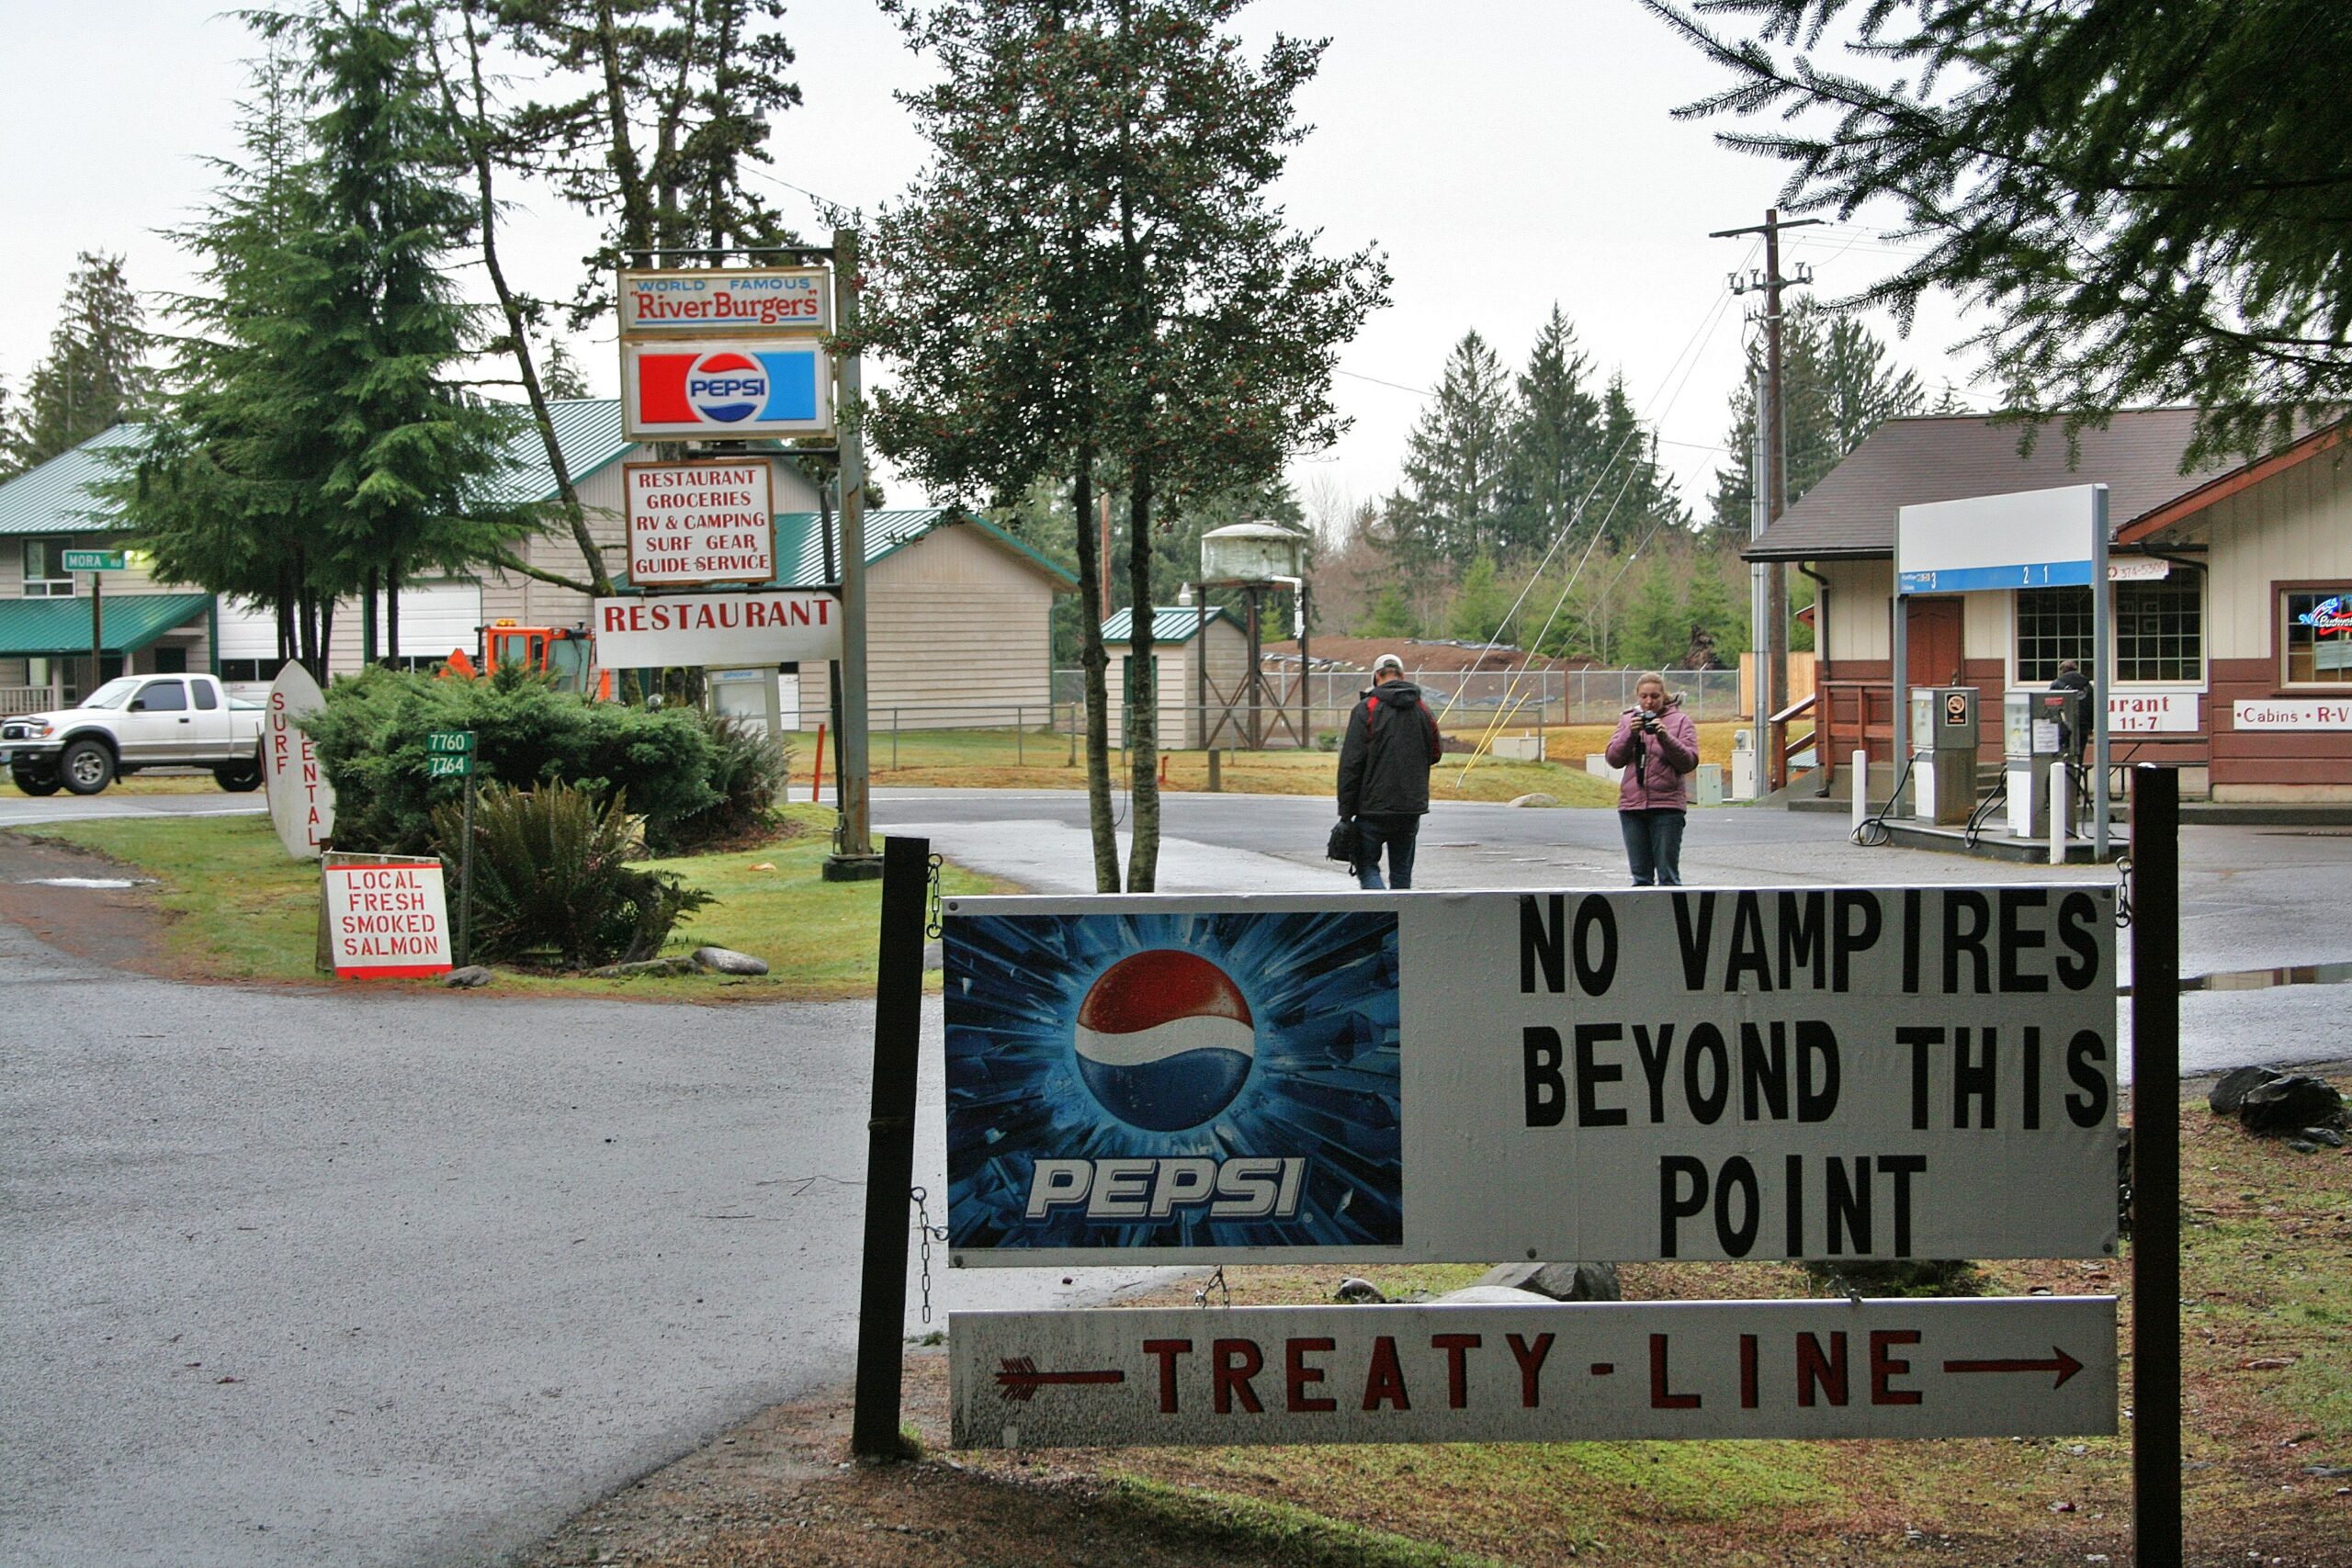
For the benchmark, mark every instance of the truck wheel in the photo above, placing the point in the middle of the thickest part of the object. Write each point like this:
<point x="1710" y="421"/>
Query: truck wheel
<point x="86" y="767"/>
<point x="33" y="784"/>
<point x="238" y="778"/>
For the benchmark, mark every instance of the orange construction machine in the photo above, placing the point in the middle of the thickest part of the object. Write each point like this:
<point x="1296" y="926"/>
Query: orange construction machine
<point x="568" y="653"/>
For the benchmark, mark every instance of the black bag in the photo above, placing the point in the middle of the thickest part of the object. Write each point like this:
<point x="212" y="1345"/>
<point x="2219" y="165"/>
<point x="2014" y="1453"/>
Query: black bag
<point x="1346" y="844"/>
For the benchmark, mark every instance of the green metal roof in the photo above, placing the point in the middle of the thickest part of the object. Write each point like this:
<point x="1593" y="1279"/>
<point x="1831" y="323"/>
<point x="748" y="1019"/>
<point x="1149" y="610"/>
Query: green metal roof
<point x="130" y="622"/>
<point x="588" y="433"/>
<point x="55" y="497"/>
<point x="1170" y="623"/>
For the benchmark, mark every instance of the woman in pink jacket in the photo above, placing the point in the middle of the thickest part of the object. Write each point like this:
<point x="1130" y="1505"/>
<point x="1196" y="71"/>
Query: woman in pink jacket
<point x="1658" y="746"/>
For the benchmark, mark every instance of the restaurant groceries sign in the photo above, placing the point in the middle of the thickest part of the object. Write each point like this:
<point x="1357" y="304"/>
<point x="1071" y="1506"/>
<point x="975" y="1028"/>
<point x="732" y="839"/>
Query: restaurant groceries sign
<point x="1800" y="1073"/>
<point x="691" y="524"/>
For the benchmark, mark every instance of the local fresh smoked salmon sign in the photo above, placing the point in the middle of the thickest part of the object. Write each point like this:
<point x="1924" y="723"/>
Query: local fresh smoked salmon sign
<point x="1799" y="1073"/>
<point x="691" y="524"/>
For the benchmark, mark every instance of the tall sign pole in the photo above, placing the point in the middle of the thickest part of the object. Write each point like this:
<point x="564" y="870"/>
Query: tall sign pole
<point x="1771" y="415"/>
<point x="853" y="859"/>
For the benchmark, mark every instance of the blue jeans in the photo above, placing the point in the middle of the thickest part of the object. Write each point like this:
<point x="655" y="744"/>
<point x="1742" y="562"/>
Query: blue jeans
<point x="1401" y="833"/>
<point x="1652" y="847"/>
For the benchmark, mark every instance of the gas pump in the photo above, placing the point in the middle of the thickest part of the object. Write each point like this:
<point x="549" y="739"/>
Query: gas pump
<point x="2032" y="729"/>
<point x="1943" y="752"/>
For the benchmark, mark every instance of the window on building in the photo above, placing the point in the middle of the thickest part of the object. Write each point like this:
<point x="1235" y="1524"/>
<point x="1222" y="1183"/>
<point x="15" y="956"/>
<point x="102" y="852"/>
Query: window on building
<point x="2160" y="629"/>
<point x="2053" y="624"/>
<point x="2316" y="635"/>
<point x="45" y="573"/>
<point x="242" y="669"/>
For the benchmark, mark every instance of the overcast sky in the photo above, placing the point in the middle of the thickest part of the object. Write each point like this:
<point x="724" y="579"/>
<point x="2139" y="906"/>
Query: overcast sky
<point x="1504" y="155"/>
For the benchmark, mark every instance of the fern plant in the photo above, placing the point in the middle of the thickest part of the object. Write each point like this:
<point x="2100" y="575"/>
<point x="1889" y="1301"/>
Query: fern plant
<point x="552" y="879"/>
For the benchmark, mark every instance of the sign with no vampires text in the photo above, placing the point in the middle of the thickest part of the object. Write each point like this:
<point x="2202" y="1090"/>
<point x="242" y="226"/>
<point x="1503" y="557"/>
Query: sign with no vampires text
<point x="1799" y="1073"/>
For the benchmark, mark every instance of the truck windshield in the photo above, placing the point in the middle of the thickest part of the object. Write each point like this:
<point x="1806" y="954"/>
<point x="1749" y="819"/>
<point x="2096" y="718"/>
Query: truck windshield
<point x="115" y="693"/>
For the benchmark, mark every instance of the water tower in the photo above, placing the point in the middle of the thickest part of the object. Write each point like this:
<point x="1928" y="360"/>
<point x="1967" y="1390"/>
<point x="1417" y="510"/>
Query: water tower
<point x="1256" y="559"/>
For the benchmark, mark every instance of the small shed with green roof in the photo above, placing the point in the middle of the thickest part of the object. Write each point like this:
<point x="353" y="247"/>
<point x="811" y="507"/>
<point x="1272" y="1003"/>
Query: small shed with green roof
<point x="1200" y="656"/>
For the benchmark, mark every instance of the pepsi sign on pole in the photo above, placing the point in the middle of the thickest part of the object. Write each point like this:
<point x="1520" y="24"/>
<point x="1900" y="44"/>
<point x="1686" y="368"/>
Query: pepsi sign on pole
<point x="1799" y="1073"/>
<point x="725" y="389"/>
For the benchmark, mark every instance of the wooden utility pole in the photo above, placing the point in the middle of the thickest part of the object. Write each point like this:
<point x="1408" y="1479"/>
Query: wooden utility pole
<point x="1773" y="680"/>
<point x="853" y="859"/>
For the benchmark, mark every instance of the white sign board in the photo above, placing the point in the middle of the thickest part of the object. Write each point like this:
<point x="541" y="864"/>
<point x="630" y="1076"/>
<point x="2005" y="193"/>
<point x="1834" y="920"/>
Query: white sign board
<point x="2038" y="1366"/>
<point x="773" y="626"/>
<point x="2151" y="712"/>
<point x="2290" y="712"/>
<point x="695" y="523"/>
<point x="704" y="302"/>
<point x="388" y="917"/>
<point x="2039" y="538"/>
<point x="301" y="801"/>
<point x="729" y="389"/>
<point x="1806" y="1073"/>
<point x="2138" y="568"/>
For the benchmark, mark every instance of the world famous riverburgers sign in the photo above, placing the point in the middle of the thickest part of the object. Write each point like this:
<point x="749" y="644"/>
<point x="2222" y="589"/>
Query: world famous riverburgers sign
<point x="1804" y="1073"/>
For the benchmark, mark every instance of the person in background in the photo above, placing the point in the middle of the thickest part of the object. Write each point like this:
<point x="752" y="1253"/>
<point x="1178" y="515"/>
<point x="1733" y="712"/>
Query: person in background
<point x="1658" y="746"/>
<point x="1392" y="743"/>
<point x="2073" y="724"/>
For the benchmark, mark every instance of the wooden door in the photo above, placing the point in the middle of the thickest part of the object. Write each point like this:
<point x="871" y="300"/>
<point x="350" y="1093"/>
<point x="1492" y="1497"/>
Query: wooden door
<point x="1935" y="654"/>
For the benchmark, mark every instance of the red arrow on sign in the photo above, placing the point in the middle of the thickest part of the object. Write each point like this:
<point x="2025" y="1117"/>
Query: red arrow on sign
<point x="2065" y="1366"/>
<point x="1020" y="1379"/>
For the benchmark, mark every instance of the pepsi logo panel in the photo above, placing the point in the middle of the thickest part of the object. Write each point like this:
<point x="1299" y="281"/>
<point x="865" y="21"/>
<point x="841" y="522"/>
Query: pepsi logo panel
<point x="725" y="389"/>
<point x="1181" y="1082"/>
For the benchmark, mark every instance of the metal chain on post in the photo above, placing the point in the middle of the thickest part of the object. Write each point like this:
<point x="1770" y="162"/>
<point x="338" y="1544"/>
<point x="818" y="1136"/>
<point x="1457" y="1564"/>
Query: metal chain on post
<point x="1214" y="1282"/>
<point x="927" y="1232"/>
<point x="933" y="924"/>
<point x="2123" y="892"/>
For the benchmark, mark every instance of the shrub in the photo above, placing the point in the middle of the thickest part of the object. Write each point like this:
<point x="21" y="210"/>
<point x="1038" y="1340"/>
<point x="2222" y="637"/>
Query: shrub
<point x="371" y="736"/>
<point x="551" y="877"/>
<point x="749" y="769"/>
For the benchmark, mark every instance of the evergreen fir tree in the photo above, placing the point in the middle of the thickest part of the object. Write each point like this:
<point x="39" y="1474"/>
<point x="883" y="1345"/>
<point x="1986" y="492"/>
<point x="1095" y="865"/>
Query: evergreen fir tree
<point x="1554" y="441"/>
<point x="96" y="374"/>
<point x="1450" y="510"/>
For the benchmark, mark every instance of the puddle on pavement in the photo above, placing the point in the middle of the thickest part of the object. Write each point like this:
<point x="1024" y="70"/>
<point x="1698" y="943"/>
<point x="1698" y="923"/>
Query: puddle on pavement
<point x="2263" y="979"/>
<point x="100" y="882"/>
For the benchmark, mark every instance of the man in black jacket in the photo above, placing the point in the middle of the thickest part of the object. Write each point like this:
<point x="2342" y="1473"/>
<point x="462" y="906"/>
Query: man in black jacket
<point x="1384" y="765"/>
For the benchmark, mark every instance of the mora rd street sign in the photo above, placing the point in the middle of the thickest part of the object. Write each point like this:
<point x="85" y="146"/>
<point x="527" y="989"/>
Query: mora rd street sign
<point x="2041" y="1366"/>
<point x="1794" y="1073"/>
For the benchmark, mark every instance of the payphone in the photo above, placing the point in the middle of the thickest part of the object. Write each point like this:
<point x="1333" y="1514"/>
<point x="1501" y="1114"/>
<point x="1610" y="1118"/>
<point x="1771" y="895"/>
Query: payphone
<point x="1943" y="752"/>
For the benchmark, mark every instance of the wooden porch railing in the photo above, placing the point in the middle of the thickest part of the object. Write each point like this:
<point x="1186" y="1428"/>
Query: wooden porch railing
<point x="1853" y="714"/>
<point x="29" y="699"/>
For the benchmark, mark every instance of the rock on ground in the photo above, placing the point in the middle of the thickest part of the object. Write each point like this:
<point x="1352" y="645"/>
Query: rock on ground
<point x="1559" y="1281"/>
<point x="727" y="961"/>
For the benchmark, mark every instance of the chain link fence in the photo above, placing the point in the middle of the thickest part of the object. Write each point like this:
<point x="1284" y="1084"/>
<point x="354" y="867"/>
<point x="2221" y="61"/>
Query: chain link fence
<point x="1473" y="699"/>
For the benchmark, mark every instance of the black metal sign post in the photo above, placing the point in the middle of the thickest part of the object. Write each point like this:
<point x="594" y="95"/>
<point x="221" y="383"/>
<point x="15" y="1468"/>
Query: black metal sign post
<point x="890" y="1148"/>
<point x="2156" y="1167"/>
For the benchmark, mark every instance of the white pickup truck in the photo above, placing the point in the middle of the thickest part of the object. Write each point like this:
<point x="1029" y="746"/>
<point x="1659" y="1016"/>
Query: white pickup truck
<point x="134" y="722"/>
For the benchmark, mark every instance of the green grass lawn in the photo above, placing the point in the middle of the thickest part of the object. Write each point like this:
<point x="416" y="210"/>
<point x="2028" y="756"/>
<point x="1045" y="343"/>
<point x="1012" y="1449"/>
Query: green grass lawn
<point x="242" y="910"/>
<point x="999" y="759"/>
